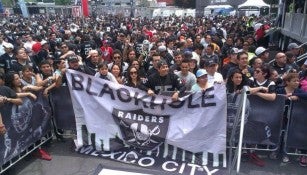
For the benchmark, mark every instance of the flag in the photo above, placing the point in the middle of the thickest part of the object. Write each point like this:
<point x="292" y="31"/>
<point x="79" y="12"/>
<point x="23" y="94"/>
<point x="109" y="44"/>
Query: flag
<point x="1" y="7"/>
<point x="85" y="8"/>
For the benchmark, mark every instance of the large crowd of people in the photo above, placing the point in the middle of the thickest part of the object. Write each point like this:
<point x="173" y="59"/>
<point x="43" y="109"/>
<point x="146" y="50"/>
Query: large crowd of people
<point x="165" y="54"/>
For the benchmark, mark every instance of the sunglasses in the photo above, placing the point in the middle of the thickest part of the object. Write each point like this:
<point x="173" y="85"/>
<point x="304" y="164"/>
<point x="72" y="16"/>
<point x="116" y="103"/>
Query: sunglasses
<point x="116" y="58"/>
<point x="134" y="72"/>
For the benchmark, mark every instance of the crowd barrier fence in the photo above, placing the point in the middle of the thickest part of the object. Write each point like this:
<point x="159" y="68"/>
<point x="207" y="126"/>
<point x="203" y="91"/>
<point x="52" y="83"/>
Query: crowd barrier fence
<point x="28" y="127"/>
<point x="295" y="134"/>
<point x="262" y="120"/>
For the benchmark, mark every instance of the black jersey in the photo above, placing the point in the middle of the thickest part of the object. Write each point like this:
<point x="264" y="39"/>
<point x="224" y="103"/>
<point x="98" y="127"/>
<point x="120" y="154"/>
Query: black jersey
<point x="159" y="84"/>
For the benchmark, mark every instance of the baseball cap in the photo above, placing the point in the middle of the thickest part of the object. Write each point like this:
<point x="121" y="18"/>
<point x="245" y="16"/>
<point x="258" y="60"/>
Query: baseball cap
<point x="201" y="72"/>
<point x="44" y="42"/>
<point x="260" y="50"/>
<point x="72" y="58"/>
<point x="161" y="49"/>
<point x="8" y="45"/>
<point x="211" y="61"/>
<point x="293" y="46"/>
<point x="234" y="50"/>
<point x="36" y="47"/>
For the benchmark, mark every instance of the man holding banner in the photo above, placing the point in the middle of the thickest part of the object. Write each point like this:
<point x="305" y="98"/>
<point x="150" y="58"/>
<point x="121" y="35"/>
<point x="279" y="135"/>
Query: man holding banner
<point x="163" y="81"/>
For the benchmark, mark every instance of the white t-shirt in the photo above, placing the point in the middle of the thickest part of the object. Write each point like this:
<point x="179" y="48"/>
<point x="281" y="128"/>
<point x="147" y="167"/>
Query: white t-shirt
<point x="189" y="80"/>
<point x="195" y="56"/>
<point x="217" y="77"/>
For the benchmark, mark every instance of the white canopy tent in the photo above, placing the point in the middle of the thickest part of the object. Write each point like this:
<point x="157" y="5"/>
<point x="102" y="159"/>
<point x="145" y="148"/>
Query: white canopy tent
<point x="254" y="4"/>
<point x="253" y="7"/>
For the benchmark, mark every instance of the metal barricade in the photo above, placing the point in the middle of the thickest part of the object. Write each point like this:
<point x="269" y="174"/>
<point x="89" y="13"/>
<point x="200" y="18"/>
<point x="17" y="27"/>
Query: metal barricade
<point x="63" y="116"/>
<point x="262" y="125"/>
<point x="295" y="133"/>
<point x="28" y="127"/>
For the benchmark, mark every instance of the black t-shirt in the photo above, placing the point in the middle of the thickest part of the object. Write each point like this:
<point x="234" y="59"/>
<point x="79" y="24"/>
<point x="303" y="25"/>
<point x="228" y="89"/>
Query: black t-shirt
<point x="85" y="48"/>
<point x="7" y="92"/>
<point x="17" y="67"/>
<point x="269" y="84"/>
<point x="158" y="84"/>
<point x="6" y="62"/>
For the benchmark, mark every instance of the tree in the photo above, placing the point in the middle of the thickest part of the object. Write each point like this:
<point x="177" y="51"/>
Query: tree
<point x="62" y="2"/>
<point x="185" y="3"/>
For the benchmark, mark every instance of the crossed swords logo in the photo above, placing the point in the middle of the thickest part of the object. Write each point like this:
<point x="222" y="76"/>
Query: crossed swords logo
<point x="142" y="134"/>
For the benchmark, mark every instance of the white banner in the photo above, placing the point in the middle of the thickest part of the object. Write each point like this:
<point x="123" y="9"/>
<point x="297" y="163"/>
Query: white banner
<point x="111" y="112"/>
<point x="76" y="11"/>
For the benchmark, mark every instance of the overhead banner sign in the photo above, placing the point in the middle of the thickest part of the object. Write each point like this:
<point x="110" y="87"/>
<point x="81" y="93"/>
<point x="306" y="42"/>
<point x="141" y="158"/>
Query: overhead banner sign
<point x="115" y="118"/>
<point x="25" y="124"/>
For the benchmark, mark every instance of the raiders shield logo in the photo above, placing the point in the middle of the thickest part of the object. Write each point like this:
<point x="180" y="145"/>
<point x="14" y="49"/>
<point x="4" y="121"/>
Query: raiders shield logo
<point x="141" y="130"/>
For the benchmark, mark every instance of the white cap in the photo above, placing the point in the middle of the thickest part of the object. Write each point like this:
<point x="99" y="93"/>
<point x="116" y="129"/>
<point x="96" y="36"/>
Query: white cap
<point x="44" y="42"/>
<point x="8" y="45"/>
<point x="201" y="72"/>
<point x="161" y="49"/>
<point x="260" y="50"/>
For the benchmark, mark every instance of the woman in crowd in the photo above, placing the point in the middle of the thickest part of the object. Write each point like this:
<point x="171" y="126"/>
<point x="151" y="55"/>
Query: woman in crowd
<point x="133" y="79"/>
<point x="118" y="60"/>
<point x="135" y="63"/>
<point x="117" y="73"/>
<point x="292" y="92"/>
<point x="261" y="85"/>
<point x="235" y="82"/>
<point x="193" y="66"/>
<point x="13" y="81"/>
<point x="291" y="89"/>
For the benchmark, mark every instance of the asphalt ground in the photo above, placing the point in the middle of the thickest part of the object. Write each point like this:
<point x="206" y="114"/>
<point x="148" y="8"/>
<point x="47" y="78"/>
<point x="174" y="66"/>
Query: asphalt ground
<point x="65" y="161"/>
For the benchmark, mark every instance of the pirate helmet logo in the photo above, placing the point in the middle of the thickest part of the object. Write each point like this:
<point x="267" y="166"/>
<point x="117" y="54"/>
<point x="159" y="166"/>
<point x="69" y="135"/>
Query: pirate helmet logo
<point x="142" y="134"/>
<point x="21" y="115"/>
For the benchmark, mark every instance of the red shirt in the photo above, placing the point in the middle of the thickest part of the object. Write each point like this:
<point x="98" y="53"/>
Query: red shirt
<point x="106" y="53"/>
